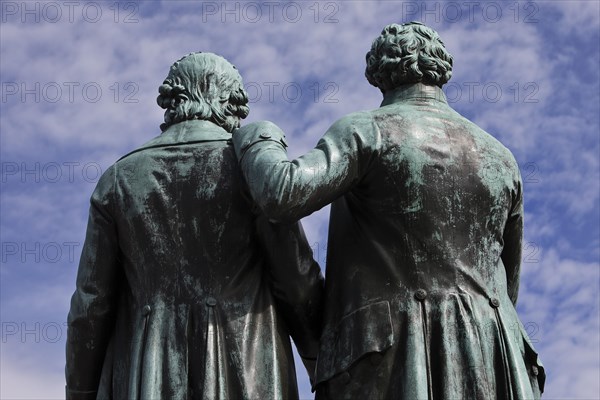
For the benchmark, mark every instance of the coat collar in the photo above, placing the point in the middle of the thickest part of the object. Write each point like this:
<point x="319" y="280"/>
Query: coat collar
<point x="413" y="91"/>
<point x="191" y="131"/>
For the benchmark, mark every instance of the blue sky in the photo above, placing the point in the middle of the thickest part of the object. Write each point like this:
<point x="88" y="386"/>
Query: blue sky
<point x="79" y="83"/>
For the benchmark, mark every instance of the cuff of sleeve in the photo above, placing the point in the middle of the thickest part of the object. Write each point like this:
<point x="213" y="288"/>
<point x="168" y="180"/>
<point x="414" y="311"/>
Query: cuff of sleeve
<point x="71" y="394"/>
<point x="247" y="136"/>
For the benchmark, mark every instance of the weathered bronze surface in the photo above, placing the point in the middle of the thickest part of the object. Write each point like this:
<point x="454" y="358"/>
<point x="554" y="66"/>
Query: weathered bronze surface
<point x="425" y="236"/>
<point x="184" y="291"/>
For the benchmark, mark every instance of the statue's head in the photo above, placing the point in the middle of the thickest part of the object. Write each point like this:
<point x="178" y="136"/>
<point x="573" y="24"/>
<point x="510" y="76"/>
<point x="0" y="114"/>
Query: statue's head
<point x="203" y="86"/>
<point x="408" y="53"/>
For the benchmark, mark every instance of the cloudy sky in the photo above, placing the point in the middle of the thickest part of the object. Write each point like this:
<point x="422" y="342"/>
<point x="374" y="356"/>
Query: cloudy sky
<point x="79" y="82"/>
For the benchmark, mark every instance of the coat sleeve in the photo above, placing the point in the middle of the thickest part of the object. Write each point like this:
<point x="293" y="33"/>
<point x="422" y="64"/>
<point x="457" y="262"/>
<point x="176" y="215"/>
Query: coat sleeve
<point x="91" y="316"/>
<point x="297" y="284"/>
<point x="289" y="190"/>
<point x="513" y="237"/>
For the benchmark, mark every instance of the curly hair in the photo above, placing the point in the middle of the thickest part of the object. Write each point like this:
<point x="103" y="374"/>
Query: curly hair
<point x="408" y="53"/>
<point x="203" y="86"/>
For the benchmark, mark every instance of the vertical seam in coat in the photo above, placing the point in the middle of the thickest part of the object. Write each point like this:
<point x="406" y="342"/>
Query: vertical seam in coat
<point x="190" y="335"/>
<point x="427" y="357"/>
<point x="489" y="393"/>
<point x="143" y="350"/>
<point x="508" y="383"/>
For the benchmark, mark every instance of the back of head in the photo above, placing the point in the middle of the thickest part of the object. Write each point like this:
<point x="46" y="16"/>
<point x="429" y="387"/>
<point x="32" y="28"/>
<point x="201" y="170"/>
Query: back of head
<point x="203" y="86"/>
<point x="408" y="53"/>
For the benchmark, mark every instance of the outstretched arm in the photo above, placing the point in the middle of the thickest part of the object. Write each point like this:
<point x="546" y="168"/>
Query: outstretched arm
<point x="289" y="190"/>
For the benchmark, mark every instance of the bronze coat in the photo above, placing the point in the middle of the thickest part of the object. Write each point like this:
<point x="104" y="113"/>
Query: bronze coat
<point x="424" y="250"/>
<point x="178" y="281"/>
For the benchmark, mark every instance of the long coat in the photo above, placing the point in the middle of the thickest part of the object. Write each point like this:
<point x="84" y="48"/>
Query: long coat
<point x="183" y="292"/>
<point x="423" y="255"/>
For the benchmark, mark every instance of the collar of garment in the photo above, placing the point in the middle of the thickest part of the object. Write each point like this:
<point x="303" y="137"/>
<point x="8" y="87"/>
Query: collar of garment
<point x="191" y="131"/>
<point x="413" y="91"/>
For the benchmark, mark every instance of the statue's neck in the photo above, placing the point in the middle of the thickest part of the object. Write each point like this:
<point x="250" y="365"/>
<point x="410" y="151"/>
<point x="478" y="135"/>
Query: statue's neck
<point x="412" y="91"/>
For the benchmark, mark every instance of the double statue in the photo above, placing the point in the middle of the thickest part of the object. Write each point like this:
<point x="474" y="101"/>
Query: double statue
<point x="195" y="271"/>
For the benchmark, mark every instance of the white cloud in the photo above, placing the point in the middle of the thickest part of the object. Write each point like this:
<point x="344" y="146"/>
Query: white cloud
<point x="559" y="303"/>
<point x="27" y="374"/>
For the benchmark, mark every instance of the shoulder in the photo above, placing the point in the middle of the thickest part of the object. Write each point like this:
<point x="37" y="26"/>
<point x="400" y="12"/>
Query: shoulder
<point x="360" y="127"/>
<point x="355" y="121"/>
<point x="489" y="141"/>
<point x="496" y="154"/>
<point x="104" y="191"/>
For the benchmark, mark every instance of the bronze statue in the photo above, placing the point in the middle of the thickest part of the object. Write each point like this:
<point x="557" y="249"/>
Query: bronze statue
<point x="184" y="291"/>
<point x="424" y="242"/>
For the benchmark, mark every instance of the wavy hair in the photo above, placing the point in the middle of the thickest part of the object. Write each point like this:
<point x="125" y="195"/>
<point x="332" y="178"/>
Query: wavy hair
<point x="203" y="86"/>
<point x="408" y="53"/>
